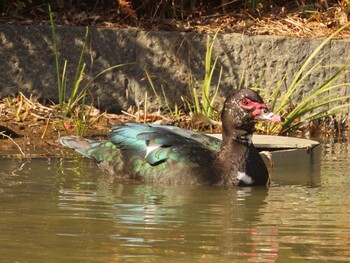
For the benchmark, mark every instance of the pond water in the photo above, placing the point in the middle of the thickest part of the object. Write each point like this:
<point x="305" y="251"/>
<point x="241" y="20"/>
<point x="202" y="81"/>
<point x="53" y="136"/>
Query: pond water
<point x="66" y="210"/>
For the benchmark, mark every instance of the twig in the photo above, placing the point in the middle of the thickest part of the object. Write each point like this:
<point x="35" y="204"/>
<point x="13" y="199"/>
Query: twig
<point x="46" y="126"/>
<point x="128" y="114"/>
<point x="31" y="104"/>
<point x="145" y="108"/>
<point x="9" y="137"/>
<point x="37" y="116"/>
<point x="35" y="105"/>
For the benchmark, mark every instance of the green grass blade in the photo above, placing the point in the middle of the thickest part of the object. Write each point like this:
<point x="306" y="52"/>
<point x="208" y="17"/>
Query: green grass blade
<point x="275" y="95"/>
<point x="55" y="50"/>
<point x="105" y="71"/>
<point x="80" y="67"/>
<point x="213" y="99"/>
<point x="313" y="54"/>
<point x="73" y="97"/>
<point x="150" y="81"/>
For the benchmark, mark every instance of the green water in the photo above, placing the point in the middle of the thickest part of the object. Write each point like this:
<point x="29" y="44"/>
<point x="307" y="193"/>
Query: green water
<point x="66" y="210"/>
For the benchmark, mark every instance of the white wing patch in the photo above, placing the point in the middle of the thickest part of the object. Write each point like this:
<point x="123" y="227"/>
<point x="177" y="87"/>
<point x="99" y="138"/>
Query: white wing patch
<point x="151" y="147"/>
<point x="242" y="176"/>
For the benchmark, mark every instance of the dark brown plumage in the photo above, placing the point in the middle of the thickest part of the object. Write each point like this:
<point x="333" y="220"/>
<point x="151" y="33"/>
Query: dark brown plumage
<point x="171" y="155"/>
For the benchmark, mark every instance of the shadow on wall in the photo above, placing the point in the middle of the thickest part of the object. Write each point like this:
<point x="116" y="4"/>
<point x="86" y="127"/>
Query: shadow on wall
<point x="173" y="58"/>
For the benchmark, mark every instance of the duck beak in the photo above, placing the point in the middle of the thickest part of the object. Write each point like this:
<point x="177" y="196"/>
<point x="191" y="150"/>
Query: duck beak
<point x="267" y="115"/>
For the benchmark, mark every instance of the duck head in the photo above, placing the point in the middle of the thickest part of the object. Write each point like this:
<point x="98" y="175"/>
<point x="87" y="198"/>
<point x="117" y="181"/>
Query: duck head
<point x="242" y="109"/>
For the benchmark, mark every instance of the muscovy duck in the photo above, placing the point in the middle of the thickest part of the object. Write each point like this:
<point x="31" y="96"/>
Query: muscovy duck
<point x="173" y="155"/>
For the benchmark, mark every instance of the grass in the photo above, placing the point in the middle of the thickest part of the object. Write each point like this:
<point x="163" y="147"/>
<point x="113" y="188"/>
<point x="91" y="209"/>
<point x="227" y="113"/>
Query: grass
<point x="203" y="102"/>
<point x="74" y="96"/>
<point x="149" y="77"/>
<point x="75" y="107"/>
<point x="323" y="101"/>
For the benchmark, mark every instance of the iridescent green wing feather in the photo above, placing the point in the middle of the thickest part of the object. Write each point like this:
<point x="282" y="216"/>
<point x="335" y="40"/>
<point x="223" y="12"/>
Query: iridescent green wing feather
<point x="156" y="144"/>
<point x="148" y="150"/>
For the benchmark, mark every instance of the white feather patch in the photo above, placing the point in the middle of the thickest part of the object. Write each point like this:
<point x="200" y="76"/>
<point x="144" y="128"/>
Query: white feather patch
<point x="249" y="138"/>
<point x="151" y="147"/>
<point x="242" y="176"/>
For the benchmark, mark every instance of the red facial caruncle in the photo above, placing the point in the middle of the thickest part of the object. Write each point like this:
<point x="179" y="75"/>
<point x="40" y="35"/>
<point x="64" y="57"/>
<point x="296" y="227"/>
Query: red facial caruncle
<point x="259" y="110"/>
<point x="252" y="105"/>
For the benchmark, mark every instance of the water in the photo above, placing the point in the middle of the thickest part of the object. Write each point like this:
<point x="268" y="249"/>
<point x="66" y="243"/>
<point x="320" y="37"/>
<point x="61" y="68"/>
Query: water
<point x="66" y="210"/>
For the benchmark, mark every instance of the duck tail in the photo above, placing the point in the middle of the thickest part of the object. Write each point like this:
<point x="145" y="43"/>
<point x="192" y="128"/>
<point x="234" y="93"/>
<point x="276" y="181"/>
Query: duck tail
<point x="79" y="144"/>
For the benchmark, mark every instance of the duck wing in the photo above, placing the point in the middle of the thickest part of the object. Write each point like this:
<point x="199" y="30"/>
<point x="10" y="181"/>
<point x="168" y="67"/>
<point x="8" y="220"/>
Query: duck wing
<point x="157" y="144"/>
<point x="162" y="154"/>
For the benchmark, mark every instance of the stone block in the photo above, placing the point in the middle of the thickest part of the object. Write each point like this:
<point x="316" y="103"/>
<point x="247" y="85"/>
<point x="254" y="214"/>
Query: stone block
<point x="173" y="59"/>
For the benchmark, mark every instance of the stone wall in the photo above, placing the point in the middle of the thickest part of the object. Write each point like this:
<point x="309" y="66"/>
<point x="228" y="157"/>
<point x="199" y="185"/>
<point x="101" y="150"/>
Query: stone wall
<point x="27" y="62"/>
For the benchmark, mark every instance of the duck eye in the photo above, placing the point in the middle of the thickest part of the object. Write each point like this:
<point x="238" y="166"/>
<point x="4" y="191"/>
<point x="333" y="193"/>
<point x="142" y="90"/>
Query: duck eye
<point x="244" y="102"/>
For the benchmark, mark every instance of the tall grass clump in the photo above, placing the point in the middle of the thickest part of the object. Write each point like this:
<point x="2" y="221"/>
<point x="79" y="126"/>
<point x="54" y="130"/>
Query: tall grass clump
<point x="203" y="94"/>
<point x="323" y="100"/>
<point x="77" y="93"/>
<point x="74" y="107"/>
<point x="202" y="102"/>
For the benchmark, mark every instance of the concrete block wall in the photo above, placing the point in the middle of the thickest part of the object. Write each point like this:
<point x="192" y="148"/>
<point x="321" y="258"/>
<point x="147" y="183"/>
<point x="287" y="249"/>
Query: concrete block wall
<point x="27" y="62"/>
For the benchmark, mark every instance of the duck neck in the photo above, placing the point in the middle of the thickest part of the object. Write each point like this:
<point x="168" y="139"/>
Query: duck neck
<point x="236" y="137"/>
<point x="231" y="158"/>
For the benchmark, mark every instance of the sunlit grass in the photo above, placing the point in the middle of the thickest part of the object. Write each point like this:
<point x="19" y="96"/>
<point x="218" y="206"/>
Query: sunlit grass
<point x="203" y="102"/>
<point x="74" y="109"/>
<point x="322" y="101"/>
<point x="203" y="93"/>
